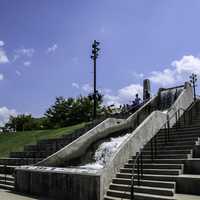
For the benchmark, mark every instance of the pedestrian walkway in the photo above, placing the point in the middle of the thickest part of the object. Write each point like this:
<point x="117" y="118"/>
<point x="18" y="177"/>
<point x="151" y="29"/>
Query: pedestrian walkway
<point x="186" y="197"/>
<point x="7" y="195"/>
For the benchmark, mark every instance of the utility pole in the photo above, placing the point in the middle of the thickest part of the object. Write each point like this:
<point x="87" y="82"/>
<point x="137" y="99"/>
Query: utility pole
<point x="193" y="80"/>
<point x="94" y="57"/>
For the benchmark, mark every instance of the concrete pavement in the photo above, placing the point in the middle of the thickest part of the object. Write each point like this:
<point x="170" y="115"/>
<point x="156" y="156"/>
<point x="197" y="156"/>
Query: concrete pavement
<point x="8" y="195"/>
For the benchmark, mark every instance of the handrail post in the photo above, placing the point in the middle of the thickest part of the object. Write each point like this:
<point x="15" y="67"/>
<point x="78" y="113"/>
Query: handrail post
<point x="138" y="170"/>
<point x="5" y="174"/>
<point x="152" y="150"/>
<point x="132" y="189"/>
<point x="138" y="119"/>
<point x="179" y="118"/>
<point x="168" y="127"/>
<point x="155" y="146"/>
<point x="165" y="133"/>
<point x="141" y="163"/>
<point x="191" y="113"/>
<point x="184" y="117"/>
<point x="136" y="162"/>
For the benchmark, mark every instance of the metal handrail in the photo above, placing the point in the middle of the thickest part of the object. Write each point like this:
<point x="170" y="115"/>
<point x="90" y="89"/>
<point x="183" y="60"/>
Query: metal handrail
<point x="166" y="126"/>
<point x="176" y="87"/>
<point x="139" y="162"/>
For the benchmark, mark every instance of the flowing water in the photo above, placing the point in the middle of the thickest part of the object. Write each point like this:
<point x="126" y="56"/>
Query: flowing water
<point x="102" y="153"/>
<point x="168" y="97"/>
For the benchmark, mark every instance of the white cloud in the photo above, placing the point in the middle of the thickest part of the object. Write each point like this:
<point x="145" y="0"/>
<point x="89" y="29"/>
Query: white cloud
<point x="18" y="73"/>
<point x="111" y="99"/>
<point x="1" y="77"/>
<point x="2" y="43"/>
<point x="179" y="71"/>
<point x="164" y="78"/>
<point x="87" y="88"/>
<point x="106" y="90"/>
<point x="124" y="95"/>
<point x="27" y="52"/>
<point x="27" y="63"/>
<point x="138" y="75"/>
<point x="130" y="91"/>
<point x="52" y="48"/>
<point x="187" y="64"/>
<point x="75" y="85"/>
<point x="3" y="57"/>
<point x="5" y="113"/>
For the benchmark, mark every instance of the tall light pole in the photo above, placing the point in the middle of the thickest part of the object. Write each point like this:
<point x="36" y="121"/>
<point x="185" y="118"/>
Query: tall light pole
<point x="193" y="80"/>
<point x="94" y="57"/>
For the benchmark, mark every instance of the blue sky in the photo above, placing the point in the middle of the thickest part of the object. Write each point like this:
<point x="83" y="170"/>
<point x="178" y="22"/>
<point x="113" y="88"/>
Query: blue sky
<point x="45" y="49"/>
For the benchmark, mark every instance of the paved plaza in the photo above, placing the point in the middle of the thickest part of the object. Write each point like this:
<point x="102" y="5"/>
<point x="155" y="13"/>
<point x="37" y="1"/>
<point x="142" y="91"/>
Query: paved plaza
<point x="7" y="195"/>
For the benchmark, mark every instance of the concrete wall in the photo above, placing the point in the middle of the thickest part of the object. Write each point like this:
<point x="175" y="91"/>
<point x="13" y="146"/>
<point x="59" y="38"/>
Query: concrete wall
<point x="192" y="166"/>
<point x="58" y="183"/>
<point x="139" y="138"/>
<point x="188" y="184"/>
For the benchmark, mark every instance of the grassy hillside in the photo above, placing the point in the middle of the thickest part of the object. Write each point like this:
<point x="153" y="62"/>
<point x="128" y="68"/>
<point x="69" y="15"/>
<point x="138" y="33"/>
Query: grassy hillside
<point x="16" y="141"/>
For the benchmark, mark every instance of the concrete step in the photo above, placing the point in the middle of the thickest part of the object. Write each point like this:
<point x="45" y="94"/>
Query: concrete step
<point x="160" y="161"/>
<point x="145" y="152"/>
<point x="195" y="123"/>
<point x="169" y="147"/>
<point x="31" y="154"/>
<point x="143" y="189"/>
<point x="138" y="196"/>
<point x="6" y="187"/>
<point x="7" y="169"/>
<point x="179" y="136"/>
<point x="182" y="131"/>
<point x="180" y="139"/>
<point x="18" y="161"/>
<point x="157" y="166"/>
<point x="162" y="184"/>
<point x="7" y="182"/>
<point x="52" y="140"/>
<point x="166" y="156"/>
<point x="154" y="177"/>
<point x="43" y="147"/>
<point x="173" y="143"/>
<point x="153" y="171"/>
<point x="8" y="177"/>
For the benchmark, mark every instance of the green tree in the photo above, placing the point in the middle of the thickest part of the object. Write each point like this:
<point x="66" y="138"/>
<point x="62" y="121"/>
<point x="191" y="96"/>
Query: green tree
<point x="65" y="112"/>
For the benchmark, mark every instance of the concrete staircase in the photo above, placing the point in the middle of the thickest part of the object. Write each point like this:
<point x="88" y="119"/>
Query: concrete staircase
<point x="7" y="182"/>
<point x="160" y="171"/>
<point x="34" y="153"/>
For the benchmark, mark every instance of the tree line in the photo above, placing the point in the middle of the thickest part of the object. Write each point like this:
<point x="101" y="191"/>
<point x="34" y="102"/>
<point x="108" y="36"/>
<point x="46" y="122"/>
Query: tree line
<point x="64" y="112"/>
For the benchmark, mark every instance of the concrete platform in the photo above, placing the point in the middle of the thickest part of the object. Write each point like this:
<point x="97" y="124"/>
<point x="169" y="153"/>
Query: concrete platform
<point x="186" y="197"/>
<point x="8" y="195"/>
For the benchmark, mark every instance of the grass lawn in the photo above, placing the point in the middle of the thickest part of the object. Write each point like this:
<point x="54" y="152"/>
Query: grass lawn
<point x="16" y="141"/>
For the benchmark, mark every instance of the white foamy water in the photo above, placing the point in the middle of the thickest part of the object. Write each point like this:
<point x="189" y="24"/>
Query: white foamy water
<point x="104" y="152"/>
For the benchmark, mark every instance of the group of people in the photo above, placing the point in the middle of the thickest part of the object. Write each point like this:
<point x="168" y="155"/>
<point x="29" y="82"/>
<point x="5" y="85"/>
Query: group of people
<point x="127" y="108"/>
